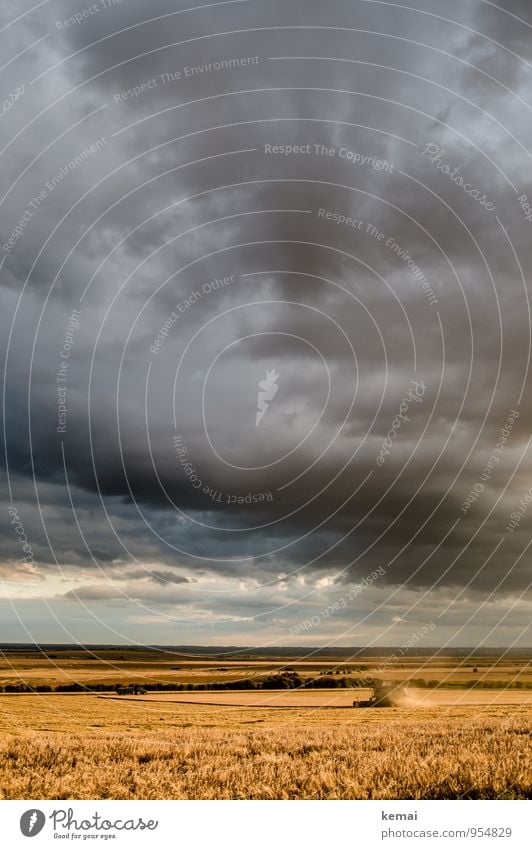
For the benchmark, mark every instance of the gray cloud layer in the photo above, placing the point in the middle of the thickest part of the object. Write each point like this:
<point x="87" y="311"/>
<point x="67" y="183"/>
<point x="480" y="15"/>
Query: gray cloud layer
<point x="162" y="252"/>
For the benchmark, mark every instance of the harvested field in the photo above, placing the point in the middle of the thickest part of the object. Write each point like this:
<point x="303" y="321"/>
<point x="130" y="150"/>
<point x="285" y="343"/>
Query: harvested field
<point x="337" y="698"/>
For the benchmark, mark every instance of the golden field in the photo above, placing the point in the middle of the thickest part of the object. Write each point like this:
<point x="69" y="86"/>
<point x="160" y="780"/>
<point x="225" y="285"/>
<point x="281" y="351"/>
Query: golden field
<point x="339" y="698"/>
<point x="83" y="747"/>
<point x="444" y="741"/>
<point x="122" y="666"/>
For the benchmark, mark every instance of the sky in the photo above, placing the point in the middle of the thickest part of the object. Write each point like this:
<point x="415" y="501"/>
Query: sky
<point x="265" y="321"/>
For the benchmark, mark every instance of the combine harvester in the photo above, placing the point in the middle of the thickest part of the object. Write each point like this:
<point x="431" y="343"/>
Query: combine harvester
<point x="383" y="695"/>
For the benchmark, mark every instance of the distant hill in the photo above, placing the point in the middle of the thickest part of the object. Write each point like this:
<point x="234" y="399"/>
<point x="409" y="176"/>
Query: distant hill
<point x="249" y="652"/>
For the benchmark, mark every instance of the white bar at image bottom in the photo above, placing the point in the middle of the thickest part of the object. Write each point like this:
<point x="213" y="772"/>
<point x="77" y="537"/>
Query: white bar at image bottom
<point x="268" y="824"/>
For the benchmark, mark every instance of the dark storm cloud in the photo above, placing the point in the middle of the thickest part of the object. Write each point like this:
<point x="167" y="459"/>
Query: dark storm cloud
<point x="336" y="309"/>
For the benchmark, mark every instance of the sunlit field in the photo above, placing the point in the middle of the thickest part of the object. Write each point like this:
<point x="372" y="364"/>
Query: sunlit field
<point x="123" y="666"/>
<point x="462" y="728"/>
<point x="340" y="698"/>
<point x="76" y="747"/>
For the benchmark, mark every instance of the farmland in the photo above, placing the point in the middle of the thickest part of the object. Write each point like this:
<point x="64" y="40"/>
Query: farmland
<point x="99" y="667"/>
<point x="72" y="747"/>
<point x="340" y="698"/>
<point x="447" y="741"/>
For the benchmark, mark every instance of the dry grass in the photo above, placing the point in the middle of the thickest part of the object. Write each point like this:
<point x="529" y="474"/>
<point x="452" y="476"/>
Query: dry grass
<point x="82" y="747"/>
